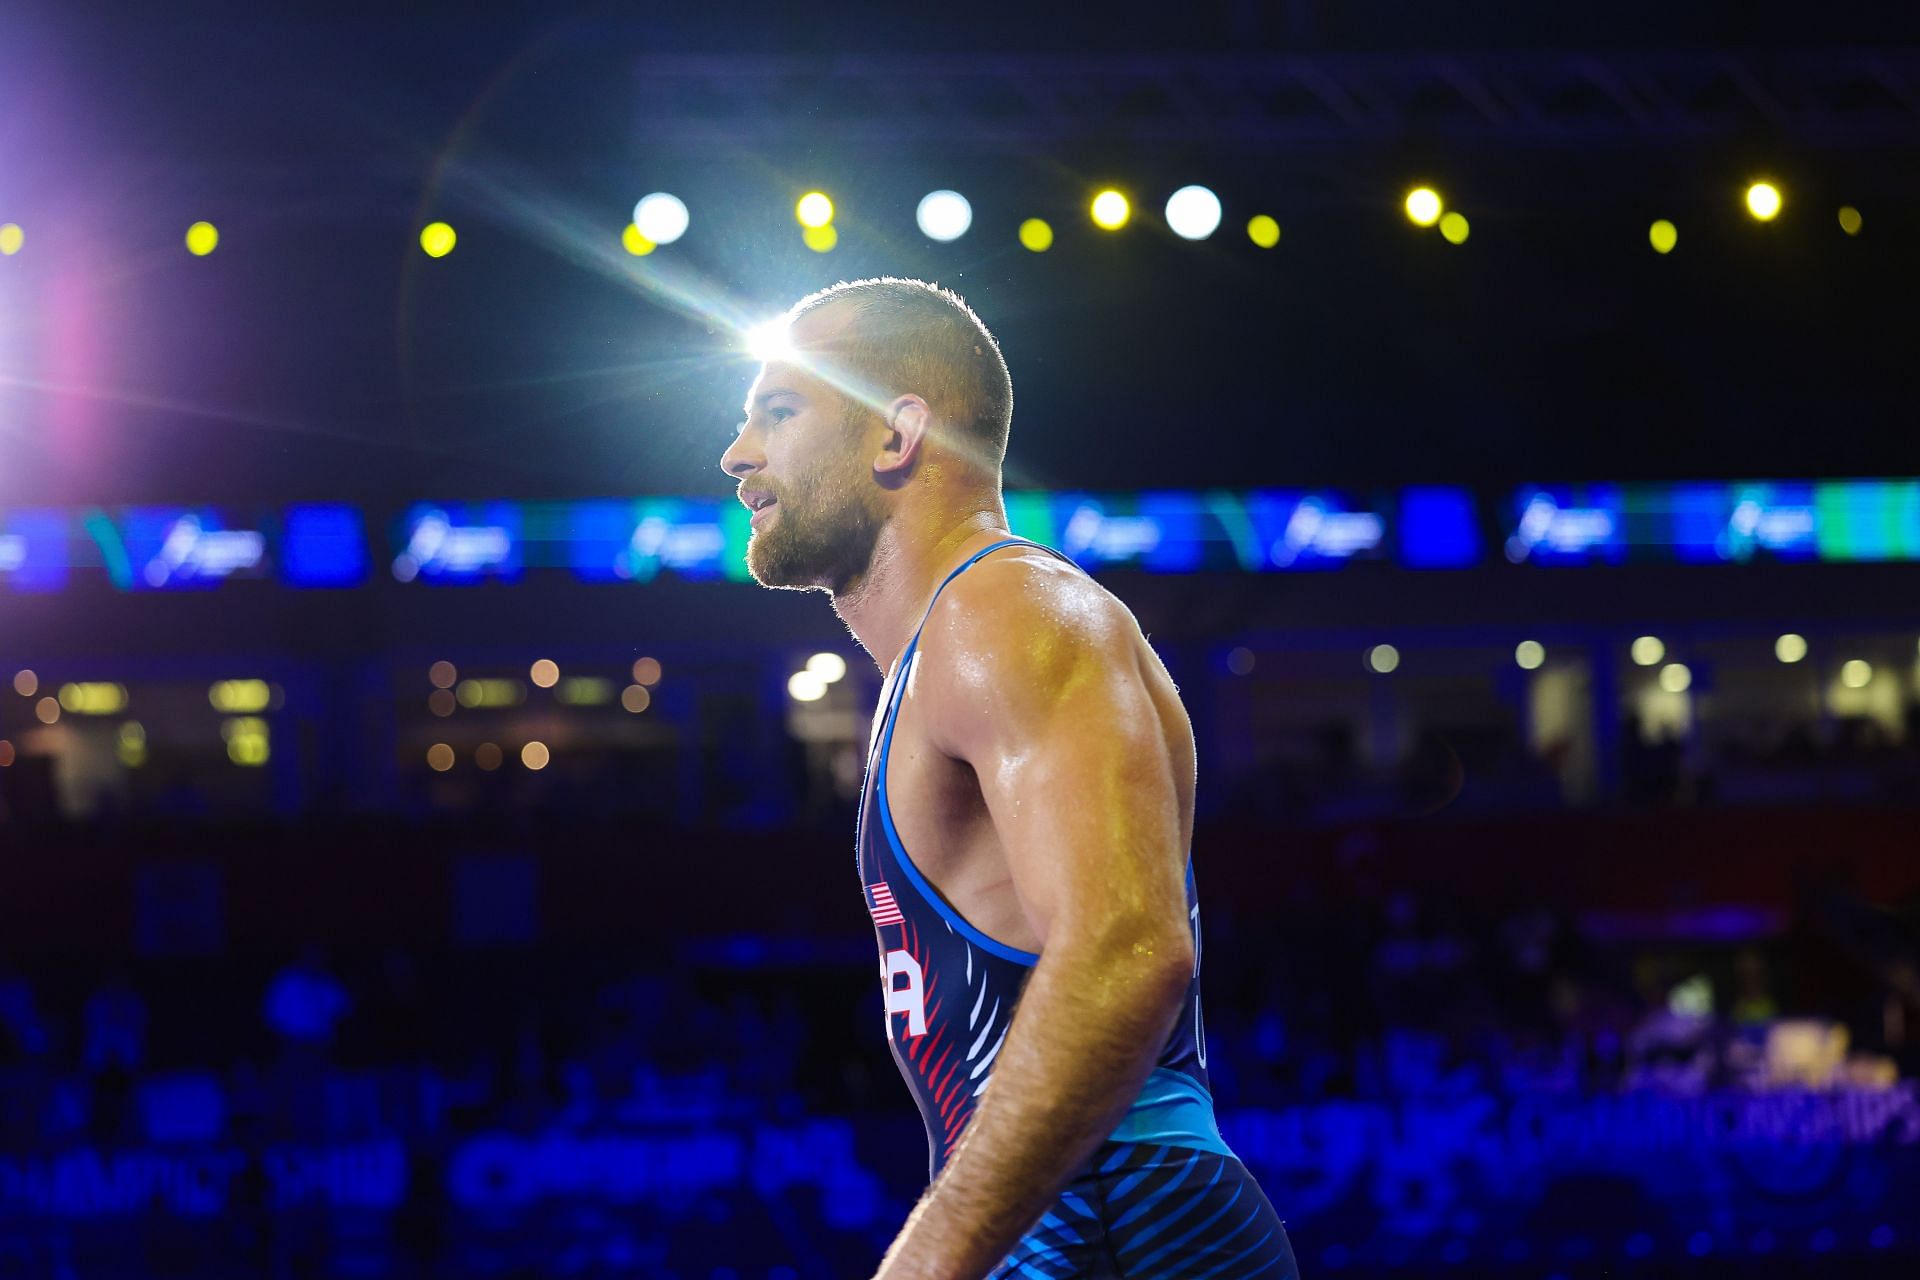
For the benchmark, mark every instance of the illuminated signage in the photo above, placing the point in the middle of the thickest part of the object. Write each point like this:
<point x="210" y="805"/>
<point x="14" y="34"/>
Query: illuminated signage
<point x="173" y="548"/>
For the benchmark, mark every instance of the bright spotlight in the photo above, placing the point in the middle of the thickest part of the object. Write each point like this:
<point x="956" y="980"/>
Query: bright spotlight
<point x="1193" y="213"/>
<point x="436" y="239"/>
<point x="1383" y="658"/>
<point x="1648" y="650"/>
<point x="828" y="666"/>
<point x="943" y="215"/>
<point x="1530" y="654"/>
<point x="1856" y="673"/>
<point x="1790" y="647"/>
<point x="806" y="686"/>
<point x="1675" y="678"/>
<point x="202" y="238"/>
<point x="770" y="341"/>
<point x="1263" y="231"/>
<point x="814" y="209"/>
<point x="1111" y="210"/>
<point x="1763" y="201"/>
<point x="1849" y="220"/>
<point x="821" y="239"/>
<point x="1454" y="227"/>
<point x="11" y="238"/>
<point x="1663" y="235"/>
<point x="1423" y="206"/>
<point x="661" y="218"/>
<point x="1036" y="235"/>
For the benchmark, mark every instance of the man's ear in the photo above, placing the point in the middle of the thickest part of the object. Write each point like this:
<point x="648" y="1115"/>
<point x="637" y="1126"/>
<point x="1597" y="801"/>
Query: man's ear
<point x="909" y="421"/>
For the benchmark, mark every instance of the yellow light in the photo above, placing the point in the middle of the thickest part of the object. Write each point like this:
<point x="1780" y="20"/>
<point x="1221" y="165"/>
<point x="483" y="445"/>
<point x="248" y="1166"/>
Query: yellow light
<point x="1383" y="658"/>
<point x="1530" y="654"/>
<point x="821" y="239"/>
<point x="1763" y="201"/>
<point x="544" y="673"/>
<point x="1648" y="650"/>
<point x="1111" y="210"/>
<point x="240" y="697"/>
<point x="1675" y="678"/>
<point x="585" y="691"/>
<point x="437" y="238"/>
<point x="25" y="683"/>
<point x="441" y="702"/>
<point x="94" y="698"/>
<point x="634" y="243"/>
<point x="1856" y="674"/>
<point x="1263" y="231"/>
<point x="6" y="754"/>
<point x="646" y="671"/>
<point x="1663" y="235"/>
<point x="1453" y="226"/>
<point x="11" y="238"/>
<point x="202" y="239"/>
<point x="1849" y="219"/>
<point x="1036" y="235"/>
<point x="248" y="742"/>
<point x="814" y="209"/>
<point x="488" y="756"/>
<point x="828" y="666"/>
<point x="1790" y="647"/>
<point x="1423" y="206"/>
<point x="535" y="755"/>
<point x="635" y="698"/>
<point x="131" y="744"/>
<point x="47" y="710"/>
<point x="443" y="674"/>
<point x="490" y="693"/>
<point x="805" y="686"/>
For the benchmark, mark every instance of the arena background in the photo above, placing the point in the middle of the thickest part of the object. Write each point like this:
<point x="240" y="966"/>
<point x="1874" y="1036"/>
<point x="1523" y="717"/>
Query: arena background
<point x="422" y="853"/>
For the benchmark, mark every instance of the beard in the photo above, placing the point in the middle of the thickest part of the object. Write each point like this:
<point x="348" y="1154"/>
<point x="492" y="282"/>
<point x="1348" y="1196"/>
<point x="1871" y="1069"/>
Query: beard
<point x="822" y="534"/>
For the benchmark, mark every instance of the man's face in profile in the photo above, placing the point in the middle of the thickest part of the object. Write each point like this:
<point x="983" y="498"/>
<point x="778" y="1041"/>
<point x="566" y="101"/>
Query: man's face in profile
<point x="805" y="445"/>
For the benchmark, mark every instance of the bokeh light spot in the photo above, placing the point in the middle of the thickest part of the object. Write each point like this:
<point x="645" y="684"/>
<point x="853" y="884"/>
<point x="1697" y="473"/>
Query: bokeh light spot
<point x="1423" y="206"/>
<point x="1111" y="210"/>
<point x="1263" y="231"/>
<point x="202" y="239"/>
<point x="813" y="209"/>
<point x="1036" y="235"/>
<point x="1663" y="235"/>
<point x="436" y="239"/>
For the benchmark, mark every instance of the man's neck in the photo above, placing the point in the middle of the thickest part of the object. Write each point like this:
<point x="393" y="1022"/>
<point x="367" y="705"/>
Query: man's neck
<point x="884" y="605"/>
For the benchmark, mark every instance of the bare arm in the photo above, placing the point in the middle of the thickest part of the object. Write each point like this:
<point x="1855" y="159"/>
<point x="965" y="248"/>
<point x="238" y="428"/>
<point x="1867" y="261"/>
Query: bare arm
<point x="1033" y="681"/>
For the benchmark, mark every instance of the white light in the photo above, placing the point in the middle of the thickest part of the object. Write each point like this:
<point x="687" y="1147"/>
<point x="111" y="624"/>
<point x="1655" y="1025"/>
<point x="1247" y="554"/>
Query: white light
<point x="1790" y="647"/>
<point x="1856" y="673"/>
<point x="661" y="218"/>
<point x="1648" y="650"/>
<point x="1193" y="213"/>
<point x="1383" y="658"/>
<point x="770" y="341"/>
<point x="1530" y="654"/>
<point x="1675" y="678"/>
<point x="806" y="686"/>
<point x="828" y="666"/>
<point x="943" y="215"/>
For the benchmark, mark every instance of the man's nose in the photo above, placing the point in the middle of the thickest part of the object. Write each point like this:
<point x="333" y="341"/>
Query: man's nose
<point x="740" y="459"/>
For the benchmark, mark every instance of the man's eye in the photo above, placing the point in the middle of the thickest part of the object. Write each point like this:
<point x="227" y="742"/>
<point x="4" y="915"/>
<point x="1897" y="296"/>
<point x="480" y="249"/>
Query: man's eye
<point x="779" y="415"/>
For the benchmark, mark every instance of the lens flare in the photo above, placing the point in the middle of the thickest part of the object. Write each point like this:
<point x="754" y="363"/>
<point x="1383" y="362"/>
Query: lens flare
<point x="1423" y="206"/>
<point x="661" y="218"/>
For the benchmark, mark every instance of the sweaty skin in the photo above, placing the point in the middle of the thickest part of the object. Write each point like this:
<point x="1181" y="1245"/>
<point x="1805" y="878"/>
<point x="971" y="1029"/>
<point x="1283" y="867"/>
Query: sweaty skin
<point x="1043" y="775"/>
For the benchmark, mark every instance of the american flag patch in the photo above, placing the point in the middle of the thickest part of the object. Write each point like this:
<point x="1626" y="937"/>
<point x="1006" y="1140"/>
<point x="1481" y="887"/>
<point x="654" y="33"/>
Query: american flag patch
<point x="880" y="902"/>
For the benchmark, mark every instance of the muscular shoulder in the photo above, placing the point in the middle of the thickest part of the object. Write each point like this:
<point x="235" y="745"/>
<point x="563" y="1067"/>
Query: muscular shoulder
<point x="1019" y="633"/>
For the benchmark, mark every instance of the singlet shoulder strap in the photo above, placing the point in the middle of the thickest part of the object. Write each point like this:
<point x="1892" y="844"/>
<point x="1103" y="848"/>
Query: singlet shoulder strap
<point x="968" y="564"/>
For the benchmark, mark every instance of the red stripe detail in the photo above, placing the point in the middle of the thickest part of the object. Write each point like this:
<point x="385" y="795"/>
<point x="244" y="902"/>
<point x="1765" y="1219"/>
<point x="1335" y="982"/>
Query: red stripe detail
<point x="936" y="1066"/>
